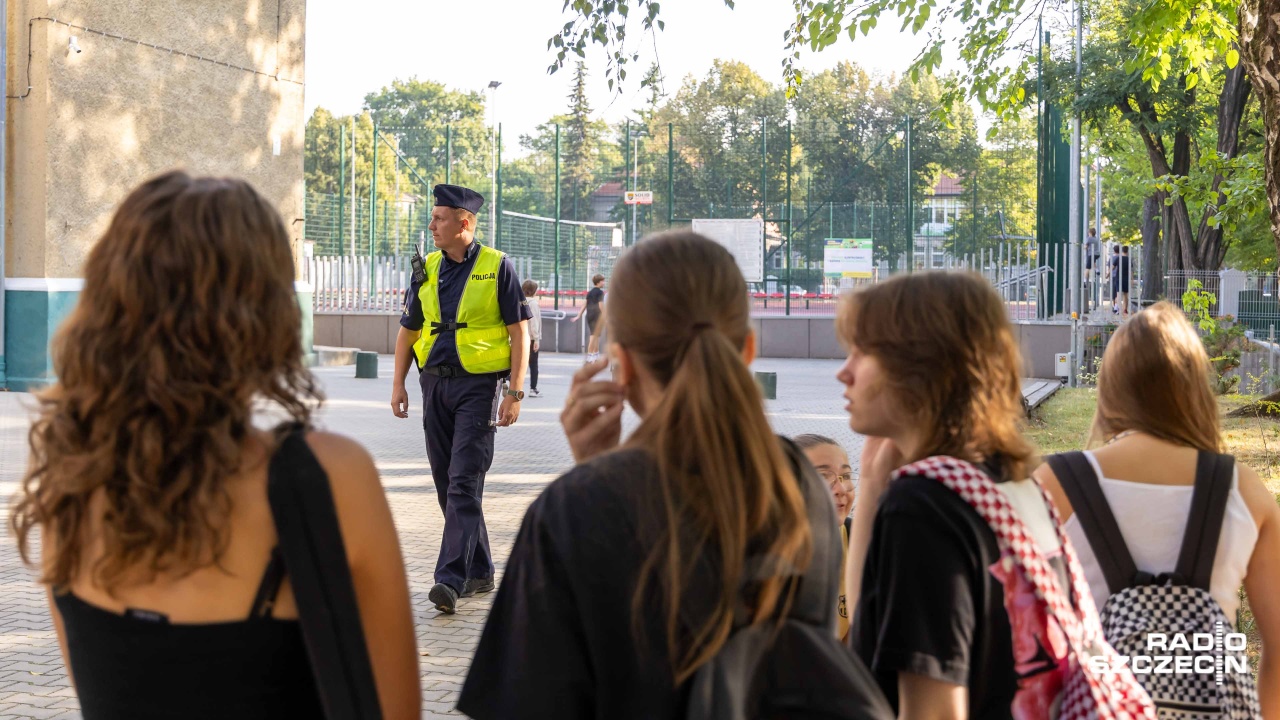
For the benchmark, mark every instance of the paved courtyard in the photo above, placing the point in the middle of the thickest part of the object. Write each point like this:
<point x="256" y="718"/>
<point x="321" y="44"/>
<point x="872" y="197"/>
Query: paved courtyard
<point x="33" y="682"/>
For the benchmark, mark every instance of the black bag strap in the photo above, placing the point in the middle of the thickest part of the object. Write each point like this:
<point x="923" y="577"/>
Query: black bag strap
<point x="1214" y="473"/>
<point x="1079" y="481"/>
<point x="310" y="541"/>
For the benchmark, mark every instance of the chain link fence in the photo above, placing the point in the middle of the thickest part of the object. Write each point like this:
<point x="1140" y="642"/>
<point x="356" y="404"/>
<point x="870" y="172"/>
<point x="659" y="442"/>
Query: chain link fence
<point x="562" y="214"/>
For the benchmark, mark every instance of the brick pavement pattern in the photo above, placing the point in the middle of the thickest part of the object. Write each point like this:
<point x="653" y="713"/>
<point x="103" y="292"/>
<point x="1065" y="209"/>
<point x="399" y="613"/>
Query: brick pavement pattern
<point x="33" y="682"/>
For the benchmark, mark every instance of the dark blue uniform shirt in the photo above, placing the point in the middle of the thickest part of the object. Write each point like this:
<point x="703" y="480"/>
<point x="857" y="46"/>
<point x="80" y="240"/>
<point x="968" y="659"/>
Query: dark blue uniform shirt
<point x="453" y="278"/>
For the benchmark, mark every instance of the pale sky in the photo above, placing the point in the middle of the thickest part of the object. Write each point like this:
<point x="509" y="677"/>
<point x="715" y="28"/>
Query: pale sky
<point x="356" y="48"/>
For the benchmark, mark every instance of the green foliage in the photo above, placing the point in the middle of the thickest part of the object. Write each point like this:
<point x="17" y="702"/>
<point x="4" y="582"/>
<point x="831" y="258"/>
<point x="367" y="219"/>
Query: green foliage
<point x="322" y="150"/>
<point x="1239" y="197"/>
<point x="412" y="117"/>
<point x="1198" y="303"/>
<point x="1224" y="338"/>
<point x="1172" y="39"/>
<point x="1225" y="342"/>
<point x="1006" y="178"/>
<point x="605" y="23"/>
<point x="843" y="114"/>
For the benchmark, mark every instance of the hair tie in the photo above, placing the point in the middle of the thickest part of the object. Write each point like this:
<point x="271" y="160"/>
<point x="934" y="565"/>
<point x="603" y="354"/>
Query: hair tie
<point x="700" y="326"/>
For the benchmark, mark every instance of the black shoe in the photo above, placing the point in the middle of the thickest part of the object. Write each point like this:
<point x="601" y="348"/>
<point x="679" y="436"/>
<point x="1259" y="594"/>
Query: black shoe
<point x="476" y="586"/>
<point x="444" y="598"/>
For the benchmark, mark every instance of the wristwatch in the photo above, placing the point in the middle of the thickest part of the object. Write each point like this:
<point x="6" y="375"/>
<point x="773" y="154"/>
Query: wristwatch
<point x="517" y="394"/>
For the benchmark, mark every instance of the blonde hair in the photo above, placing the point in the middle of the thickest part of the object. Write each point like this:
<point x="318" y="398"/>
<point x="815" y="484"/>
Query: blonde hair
<point x="1155" y="378"/>
<point x="725" y="481"/>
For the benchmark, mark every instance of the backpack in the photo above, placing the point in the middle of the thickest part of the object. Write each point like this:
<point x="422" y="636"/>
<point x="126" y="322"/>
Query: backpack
<point x="794" y="669"/>
<point x="1063" y="635"/>
<point x="1170" y="603"/>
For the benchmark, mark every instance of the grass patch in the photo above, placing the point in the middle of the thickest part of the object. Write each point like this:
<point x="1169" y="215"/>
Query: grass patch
<point x="1062" y="423"/>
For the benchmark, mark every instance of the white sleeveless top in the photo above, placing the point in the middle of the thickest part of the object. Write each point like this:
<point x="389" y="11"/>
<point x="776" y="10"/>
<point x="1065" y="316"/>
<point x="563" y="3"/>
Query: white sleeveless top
<point x="1153" y="519"/>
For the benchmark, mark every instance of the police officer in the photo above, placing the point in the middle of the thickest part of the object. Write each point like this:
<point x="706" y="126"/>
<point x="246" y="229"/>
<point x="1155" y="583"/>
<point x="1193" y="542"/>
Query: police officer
<point x="465" y="326"/>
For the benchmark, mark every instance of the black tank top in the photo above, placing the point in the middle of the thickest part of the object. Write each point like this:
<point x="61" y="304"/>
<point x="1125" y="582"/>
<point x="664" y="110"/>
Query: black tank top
<point x="138" y="665"/>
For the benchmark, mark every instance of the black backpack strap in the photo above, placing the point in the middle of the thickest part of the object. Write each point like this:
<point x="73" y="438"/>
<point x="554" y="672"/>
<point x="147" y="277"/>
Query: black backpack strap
<point x="1214" y="473"/>
<point x="1079" y="481"/>
<point x="310" y="541"/>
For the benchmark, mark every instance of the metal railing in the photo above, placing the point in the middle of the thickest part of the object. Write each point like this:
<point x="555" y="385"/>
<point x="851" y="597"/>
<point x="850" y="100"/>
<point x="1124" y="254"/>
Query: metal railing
<point x="1026" y="284"/>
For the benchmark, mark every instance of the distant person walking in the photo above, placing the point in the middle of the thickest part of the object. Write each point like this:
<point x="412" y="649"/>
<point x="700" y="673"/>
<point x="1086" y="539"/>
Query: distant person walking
<point x="594" y="310"/>
<point x="1092" y="260"/>
<point x="1113" y="273"/>
<point x="1125" y="276"/>
<point x="530" y="288"/>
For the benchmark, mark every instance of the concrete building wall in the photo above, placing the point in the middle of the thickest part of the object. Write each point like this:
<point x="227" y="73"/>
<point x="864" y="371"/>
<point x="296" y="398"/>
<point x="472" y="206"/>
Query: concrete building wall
<point x="211" y="87"/>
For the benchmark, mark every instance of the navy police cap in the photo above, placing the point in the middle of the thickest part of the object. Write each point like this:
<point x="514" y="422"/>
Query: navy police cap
<point x="458" y="197"/>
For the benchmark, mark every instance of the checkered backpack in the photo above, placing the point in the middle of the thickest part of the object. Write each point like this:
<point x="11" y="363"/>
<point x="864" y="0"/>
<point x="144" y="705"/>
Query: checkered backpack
<point x="1067" y="634"/>
<point x="1176" y="604"/>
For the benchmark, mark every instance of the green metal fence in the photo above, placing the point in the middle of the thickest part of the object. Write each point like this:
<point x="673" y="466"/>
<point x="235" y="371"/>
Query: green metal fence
<point x="561" y="212"/>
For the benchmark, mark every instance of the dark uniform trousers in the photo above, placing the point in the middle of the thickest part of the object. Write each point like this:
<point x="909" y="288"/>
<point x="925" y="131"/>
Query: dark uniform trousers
<point x="457" y="419"/>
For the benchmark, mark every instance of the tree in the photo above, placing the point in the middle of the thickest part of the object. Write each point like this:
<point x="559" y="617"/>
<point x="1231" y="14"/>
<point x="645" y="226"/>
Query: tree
<point x="1260" y="43"/>
<point x="322" y="161"/>
<point x="1005" y="179"/>
<point x="1177" y="122"/>
<point x="730" y="134"/>
<point x="426" y="121"/>
<point x="1169" y="41"/>
<point x="320" y="152"/>
<point x="580" y="148"/>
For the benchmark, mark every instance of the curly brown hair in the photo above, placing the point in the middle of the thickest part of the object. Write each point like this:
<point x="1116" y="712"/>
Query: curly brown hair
<point x="951" y="362"/>
<point x="187" y="318"/>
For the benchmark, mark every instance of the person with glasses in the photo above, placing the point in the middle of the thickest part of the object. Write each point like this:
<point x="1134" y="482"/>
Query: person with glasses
<point x="832" y="464"/>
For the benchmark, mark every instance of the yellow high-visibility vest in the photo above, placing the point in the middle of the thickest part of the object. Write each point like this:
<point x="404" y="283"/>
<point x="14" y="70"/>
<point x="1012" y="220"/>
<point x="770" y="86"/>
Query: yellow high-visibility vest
<point x="484" y="345"/>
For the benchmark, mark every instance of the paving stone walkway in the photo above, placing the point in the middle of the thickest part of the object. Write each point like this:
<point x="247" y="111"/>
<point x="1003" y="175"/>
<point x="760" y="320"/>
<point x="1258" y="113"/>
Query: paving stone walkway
<point x="33" y="682"/>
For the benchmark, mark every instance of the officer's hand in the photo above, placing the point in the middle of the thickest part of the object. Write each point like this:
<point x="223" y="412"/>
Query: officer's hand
<point x="508" y="411"/>
<point x="400" y="401"/>
<point x="592" y="416"/>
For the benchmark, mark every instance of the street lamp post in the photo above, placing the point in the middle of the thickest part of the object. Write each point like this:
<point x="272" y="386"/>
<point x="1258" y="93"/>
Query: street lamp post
<point x="493" y="163"/>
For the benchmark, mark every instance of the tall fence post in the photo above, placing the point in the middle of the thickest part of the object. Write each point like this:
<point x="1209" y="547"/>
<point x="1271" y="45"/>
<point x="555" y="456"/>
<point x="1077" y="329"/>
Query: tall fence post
<point x="910" y="211"/>
<point x="497" y="221"/>
<point x="556" y="304"/>
<point x="671" y="180"/>
<point x="975" y="211"/>
<point x="788" y="245"/>
<point x="373" y="200"/>
<point x="627" y="183"/>
<point x="342" y="185"/>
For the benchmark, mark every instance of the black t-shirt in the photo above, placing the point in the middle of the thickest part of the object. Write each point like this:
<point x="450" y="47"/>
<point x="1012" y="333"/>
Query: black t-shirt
<point x="559" y="641"/>
<point x="594" y="297"/>
<point x="453" y="279"/>
<point x="929" y="604"/>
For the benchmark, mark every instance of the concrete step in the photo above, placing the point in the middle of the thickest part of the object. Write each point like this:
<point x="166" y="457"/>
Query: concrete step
<point x="327" y="356"/>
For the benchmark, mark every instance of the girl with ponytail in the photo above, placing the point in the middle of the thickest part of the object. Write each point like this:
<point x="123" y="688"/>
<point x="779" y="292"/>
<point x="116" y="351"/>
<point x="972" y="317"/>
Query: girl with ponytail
<point x="627" y="573"/>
